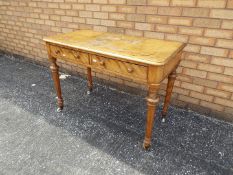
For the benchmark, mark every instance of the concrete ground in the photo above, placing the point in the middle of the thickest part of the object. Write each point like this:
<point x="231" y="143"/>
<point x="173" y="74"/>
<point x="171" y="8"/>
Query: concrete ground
<point x="99" y="133"/>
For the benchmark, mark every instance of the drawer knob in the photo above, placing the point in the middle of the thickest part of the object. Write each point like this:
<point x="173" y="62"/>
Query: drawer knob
<point x="57" y="52"/>
<point x="94" y="60"/>
<point x="76" y="55"/>
<point x="130" y="69"/>
<point x="102" y="62"/>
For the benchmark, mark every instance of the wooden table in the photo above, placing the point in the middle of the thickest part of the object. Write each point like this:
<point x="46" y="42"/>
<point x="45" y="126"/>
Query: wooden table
<point x="145" y="60"/>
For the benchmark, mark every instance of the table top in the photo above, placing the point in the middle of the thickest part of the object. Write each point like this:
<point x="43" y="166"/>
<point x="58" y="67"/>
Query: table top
<point x="139" y="49"/>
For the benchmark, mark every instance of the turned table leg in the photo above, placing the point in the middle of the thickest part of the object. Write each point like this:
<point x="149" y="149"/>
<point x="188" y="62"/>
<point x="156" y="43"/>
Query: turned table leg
<point x="55" y="74"/>
<point x="170" y="85"/>
<point x="89" y="78"/>
<point x="152" y="102"/>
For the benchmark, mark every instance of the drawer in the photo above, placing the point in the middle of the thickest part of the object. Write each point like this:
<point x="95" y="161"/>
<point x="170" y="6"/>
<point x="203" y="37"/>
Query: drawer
<point x="119" y="67"/>
<point x="69" y="55"/>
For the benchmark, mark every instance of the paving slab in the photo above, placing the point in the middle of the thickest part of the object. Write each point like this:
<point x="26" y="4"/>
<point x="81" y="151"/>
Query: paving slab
<point x="100" y="133"/>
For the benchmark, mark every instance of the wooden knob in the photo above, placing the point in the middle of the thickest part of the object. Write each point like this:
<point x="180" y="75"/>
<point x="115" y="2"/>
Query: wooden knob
<point x="57" y="52"/>
<point x="130" y="69"/>
<point x="102" y="62"/>
<point x="76" y="55"/>
<point x="94" y="60"/>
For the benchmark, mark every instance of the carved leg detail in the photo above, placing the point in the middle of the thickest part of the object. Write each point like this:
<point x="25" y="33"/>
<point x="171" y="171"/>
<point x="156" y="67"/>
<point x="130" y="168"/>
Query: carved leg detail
<point x="55" y="74"/>
<point x="170" y="85"/>
<point x="152" y="101"/>
<point x="89" y="78"/>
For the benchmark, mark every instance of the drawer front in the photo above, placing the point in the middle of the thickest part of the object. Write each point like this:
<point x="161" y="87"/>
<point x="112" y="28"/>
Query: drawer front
<point x="69" y="55"/>
<point x="120" y="67"/>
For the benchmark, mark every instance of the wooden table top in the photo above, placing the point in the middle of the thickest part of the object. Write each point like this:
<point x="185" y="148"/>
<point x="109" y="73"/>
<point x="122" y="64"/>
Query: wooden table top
<point x="139" y="49"/>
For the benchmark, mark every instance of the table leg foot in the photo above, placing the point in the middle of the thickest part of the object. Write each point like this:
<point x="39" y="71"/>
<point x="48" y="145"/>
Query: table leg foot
<point x="146" y="145"/>
<point x="59" y="109"/>
<point x="163" y="120"/>
<point x="88" y="92"/>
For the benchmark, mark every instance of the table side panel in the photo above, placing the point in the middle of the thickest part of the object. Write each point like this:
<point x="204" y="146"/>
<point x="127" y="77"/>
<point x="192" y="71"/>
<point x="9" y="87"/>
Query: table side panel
<point x="172" y="64"/>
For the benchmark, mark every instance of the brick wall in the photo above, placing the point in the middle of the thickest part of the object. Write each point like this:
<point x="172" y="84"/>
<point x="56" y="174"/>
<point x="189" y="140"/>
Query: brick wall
<point x="206" y="71"/>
